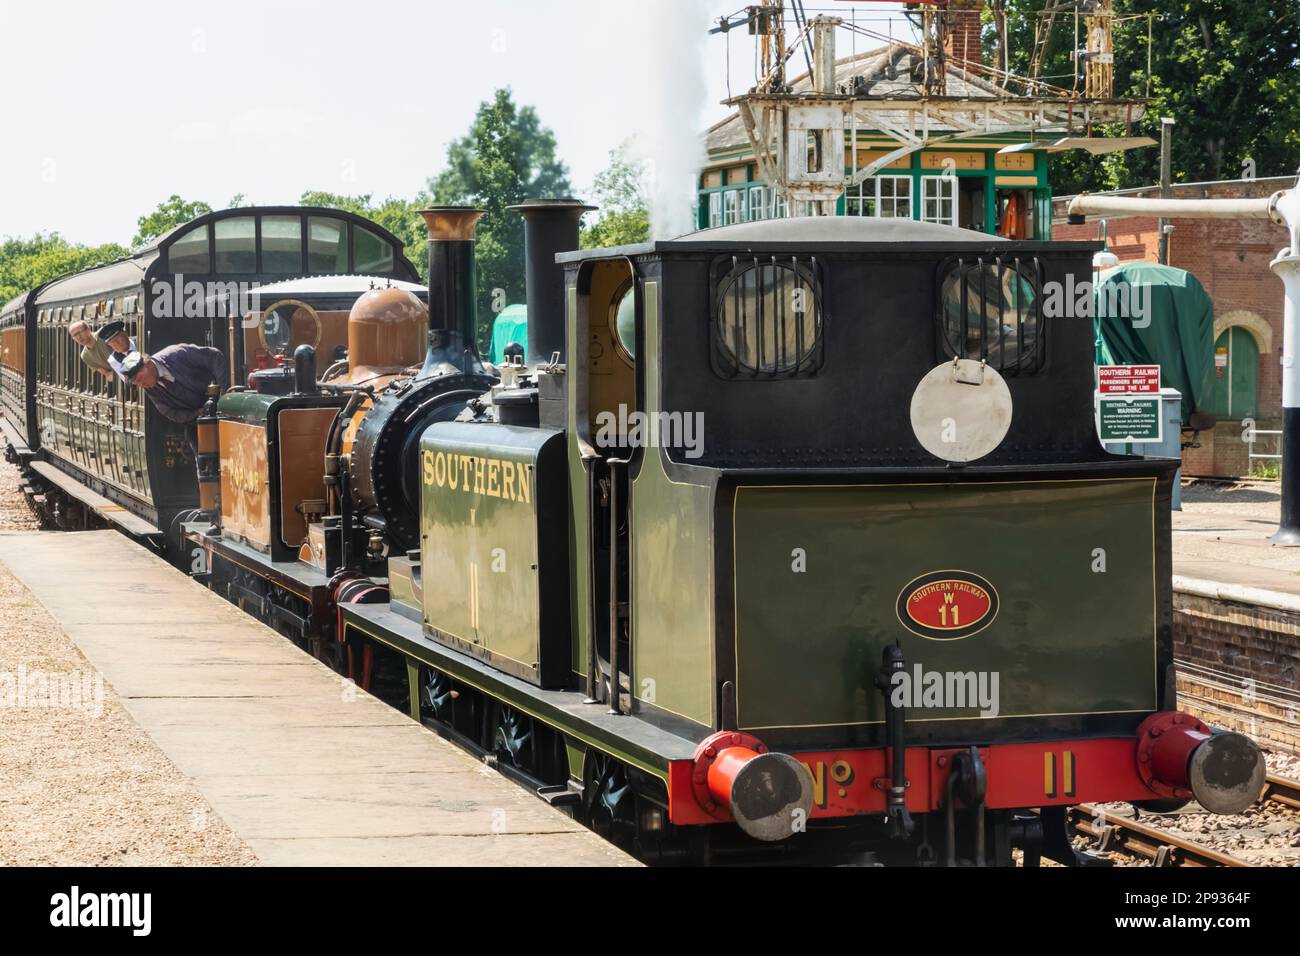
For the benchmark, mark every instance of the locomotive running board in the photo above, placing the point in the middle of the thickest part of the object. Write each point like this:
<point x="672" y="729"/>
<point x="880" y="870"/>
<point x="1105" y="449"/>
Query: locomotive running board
<point x="110" y="511"/>
<point x="633" y="741"/>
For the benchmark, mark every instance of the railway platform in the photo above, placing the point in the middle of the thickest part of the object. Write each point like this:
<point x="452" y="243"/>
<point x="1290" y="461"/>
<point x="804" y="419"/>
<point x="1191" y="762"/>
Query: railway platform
<point x="1237" y="612"/>
<point x="303" y="766"/>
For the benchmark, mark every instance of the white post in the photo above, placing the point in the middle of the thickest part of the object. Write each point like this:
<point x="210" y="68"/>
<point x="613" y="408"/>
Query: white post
<point x="1286" y="210"/>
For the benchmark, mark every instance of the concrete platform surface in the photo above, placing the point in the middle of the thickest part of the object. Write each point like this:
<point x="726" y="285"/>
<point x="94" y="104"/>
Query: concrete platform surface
<point x="303" y="766"/>
<point x="1222" y="535"/>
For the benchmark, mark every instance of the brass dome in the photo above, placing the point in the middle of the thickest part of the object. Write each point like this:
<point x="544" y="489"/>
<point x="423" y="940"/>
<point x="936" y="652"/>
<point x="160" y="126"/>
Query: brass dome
<point x="386" y="330"/>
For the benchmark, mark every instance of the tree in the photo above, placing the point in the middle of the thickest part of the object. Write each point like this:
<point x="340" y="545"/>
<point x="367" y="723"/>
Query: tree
<point x="1225" y="70"/>
<point x="28" y="263"/>
<point x="619" y="191"/>
<point x="506" y="157"/>
<point x="170" y="213"/>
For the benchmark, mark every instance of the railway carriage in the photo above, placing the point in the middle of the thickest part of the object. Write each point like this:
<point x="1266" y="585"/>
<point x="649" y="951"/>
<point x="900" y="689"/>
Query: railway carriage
<point x="97" y="448"/>
<point x="17" y="353"/>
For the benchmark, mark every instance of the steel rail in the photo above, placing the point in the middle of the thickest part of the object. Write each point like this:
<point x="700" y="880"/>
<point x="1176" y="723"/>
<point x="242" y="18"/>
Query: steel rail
<point x="1282" y="790"/>
<point x="1161" y="848"/>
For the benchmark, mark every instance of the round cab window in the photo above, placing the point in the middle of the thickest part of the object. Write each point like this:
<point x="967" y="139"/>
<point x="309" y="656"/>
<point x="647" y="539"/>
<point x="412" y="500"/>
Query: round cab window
<point x="288" y="324"/>
<point x="990" y="314"/>
<point x="769" y="322"/>
<point x="623" y="323"/>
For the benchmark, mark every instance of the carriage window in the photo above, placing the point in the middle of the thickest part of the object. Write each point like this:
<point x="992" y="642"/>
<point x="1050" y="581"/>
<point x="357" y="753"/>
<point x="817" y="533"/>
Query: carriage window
<point x="989" y="311"/>
<point x="768" y="319"/>
<point x="189" y="253"/>
<point x="327" y="247"/>
<point x="281" y="245"/>
<point x="369" y="252"/>
<point x="236" y="245"/>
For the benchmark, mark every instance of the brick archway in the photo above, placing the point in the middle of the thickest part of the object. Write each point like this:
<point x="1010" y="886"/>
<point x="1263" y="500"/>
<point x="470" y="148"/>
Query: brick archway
<point x="1259" y="329"/>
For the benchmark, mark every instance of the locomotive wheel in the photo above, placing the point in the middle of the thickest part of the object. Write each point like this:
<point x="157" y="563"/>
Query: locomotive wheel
<point x="435" y="695"/>
<point x="512" y="741"/>
<point x="609" y="803"/>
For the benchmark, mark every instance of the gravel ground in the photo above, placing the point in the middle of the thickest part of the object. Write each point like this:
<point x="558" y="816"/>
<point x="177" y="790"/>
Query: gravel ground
<point x="81" y="784"/>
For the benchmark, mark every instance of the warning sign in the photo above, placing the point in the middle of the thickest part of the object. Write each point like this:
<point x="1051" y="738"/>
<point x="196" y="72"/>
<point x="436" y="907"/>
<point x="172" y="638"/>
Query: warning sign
<point x="1129" y="419"/>
<point x="1128" y="379"/>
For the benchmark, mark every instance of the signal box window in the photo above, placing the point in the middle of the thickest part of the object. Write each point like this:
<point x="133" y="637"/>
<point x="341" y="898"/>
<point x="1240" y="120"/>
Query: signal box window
<point x="236" y="245"/>
<point x="939" y="199"/>
<point x="887" y="197"/>
<point x="327" y="247"/>
<point x="731" y="206"/>
<point x="988" y="311"/>
<point x="369" y="252"/>
<point x="190" y="253"/>
<point x="282" y="245"/>
<point x="767" y="319"/>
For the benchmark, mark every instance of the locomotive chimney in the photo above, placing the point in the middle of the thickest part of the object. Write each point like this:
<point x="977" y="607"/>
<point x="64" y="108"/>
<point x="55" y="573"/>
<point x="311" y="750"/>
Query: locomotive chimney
<point x="452" y="293"/>
<point x="550" y="227"/>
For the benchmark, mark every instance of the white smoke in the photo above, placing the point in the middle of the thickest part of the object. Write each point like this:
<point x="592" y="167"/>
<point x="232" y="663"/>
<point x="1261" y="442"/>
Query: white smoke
<point x="672" y="41"/>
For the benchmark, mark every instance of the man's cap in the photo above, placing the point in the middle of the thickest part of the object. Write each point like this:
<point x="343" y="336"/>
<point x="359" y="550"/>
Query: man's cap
<point x="132" y="364"/>
<point x="110" y="330"/>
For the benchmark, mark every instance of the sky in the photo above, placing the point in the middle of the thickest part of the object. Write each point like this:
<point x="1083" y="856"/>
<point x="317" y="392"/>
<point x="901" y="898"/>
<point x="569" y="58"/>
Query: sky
<point x="108" y="108"/>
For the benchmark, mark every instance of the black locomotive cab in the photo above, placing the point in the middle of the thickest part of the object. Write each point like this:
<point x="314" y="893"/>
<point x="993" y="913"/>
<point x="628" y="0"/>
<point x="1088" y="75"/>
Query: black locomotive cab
<point x="804" y="340"/>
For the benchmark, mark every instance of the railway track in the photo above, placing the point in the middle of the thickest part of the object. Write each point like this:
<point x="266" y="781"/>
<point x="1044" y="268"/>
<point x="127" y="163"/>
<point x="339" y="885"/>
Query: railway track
<point x="1159" y="847"/>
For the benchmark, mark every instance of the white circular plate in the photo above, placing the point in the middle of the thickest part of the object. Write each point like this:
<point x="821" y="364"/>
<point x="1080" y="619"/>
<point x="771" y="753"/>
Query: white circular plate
<point x="961" y="410"/>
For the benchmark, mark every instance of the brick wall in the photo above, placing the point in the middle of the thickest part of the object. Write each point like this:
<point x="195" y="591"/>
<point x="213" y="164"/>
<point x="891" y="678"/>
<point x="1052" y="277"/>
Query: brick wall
<point x="1239" y="643"/>
<point x="963" y="39"/>
<point x="1230" y="259"/>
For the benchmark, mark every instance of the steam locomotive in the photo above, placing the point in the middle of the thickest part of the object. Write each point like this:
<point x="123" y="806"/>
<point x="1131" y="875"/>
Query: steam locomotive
<point x="791" y="534"/>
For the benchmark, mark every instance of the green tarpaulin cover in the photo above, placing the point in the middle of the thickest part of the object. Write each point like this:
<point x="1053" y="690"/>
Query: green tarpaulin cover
<point x="510" y="326"/>
<point x="1149" y="314"/>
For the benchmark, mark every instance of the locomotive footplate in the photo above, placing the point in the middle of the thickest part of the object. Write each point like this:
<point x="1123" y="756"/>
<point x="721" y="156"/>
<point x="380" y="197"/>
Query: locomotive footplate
<point x="292" y="595"/>
<point x="634" y="742"/>
<point x="845" y="783"/>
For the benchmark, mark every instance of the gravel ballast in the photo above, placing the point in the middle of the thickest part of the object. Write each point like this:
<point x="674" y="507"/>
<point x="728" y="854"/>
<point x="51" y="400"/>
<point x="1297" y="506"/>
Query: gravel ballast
<point x="81" y="784"/>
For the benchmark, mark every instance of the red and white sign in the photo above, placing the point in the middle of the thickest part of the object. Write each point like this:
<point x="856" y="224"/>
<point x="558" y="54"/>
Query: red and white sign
<point x="1128" y="379"/>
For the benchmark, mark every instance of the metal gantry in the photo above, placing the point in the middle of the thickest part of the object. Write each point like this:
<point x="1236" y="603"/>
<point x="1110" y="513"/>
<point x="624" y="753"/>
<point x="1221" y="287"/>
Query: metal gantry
<point x="797" y="131"/>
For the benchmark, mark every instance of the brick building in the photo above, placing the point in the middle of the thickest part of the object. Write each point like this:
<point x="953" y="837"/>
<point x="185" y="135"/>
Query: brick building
<point x="1230" y="258"/>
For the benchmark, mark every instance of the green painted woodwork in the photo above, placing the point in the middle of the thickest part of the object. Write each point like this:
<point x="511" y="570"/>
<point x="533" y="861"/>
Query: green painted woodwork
<point x="247" y="407"/>
<point x="672" y="570"/>
<point x="478" y="505"/>
<point x="1234" y="388"/>
<point x="579" y="506"/>
<point x="1066" y="639"/>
